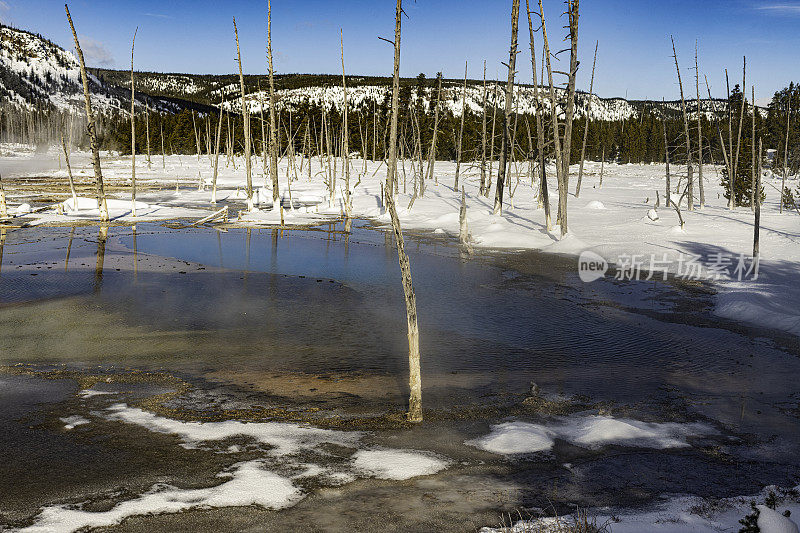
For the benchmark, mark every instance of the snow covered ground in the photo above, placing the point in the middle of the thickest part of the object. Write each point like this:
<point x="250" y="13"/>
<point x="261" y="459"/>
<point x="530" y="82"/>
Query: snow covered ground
<point x="287" y="452"/>
<point x="680" y="514"/>
<point x="614" y="221"/>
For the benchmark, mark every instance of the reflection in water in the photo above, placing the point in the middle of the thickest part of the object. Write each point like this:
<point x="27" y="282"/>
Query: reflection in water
<point x="101" y="254"/>
<point x="273" y="267"/>
<point x="69" y="248"/>
<point x="2" y="244"/>
<point x="219" y="245"/>
<point x="491" y="323"/>
<point x="246" y="256"/>
<point x="135" y="257"/>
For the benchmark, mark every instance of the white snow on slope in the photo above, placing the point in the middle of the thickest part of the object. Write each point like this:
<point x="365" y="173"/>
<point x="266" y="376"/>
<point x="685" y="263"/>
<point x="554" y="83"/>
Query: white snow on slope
<point x="771" y="521"/>
<point x="516" y="437"/>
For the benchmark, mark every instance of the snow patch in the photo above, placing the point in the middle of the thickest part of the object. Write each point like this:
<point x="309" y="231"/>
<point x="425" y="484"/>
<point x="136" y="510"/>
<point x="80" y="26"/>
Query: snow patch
<point x="248" y="484"/>
<point x="771" y="521"/>
<point x="282" y="438"/>
<point x="397" y="464"/>
<point x="516" y="437"/>
<point x="88" y="393"/>
<point x="71" y="422"/>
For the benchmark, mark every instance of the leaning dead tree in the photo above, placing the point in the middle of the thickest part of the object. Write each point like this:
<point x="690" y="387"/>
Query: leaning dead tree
<point x="586" y="128"/>
<point x="133" y="131"/>
<point x="689" y="178"/>
<point x="719" y="131"/>
<point x="273" y="129"/>
<point x="91" y="126"/>
<point x="415" y="376"/>
<point x="246" y="120"/>
<point x="506" y="141"/>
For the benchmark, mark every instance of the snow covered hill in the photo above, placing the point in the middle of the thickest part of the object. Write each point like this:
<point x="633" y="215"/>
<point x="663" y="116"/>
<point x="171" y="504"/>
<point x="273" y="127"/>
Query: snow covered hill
<point x="36" y="72"/>
<point x="297" y="91"/>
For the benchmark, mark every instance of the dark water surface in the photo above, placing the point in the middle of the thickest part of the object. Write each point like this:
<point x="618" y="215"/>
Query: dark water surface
<point x="315" y="318"/>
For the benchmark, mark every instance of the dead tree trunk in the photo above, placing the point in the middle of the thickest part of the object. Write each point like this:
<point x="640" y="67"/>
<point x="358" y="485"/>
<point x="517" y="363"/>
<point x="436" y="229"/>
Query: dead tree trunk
<point x="731" y="173"/>
<point x="346" y="139"/>
<point x="554" y="119"/>
<point x="69" y="173"/>
<point x="461" y="128"/>
<point x="216" y="153"/>
<point x="700" y="184"/>
<point x="491" y="141"/>
<point x="133" y="131"/>
<point x="753" y="155"/>
<point x="432" y="153"/>
<point x="246" y="120"/>
<point x="667" y="198"/>
<point x="602" y="164"/>
<point x="273" y="131"/>
<point x="563" y="190"/>
<point x="506" y="141"/>
<point x="483" y="134"/>
<point x="90" y="127"/>
<point x="147" y="130"/>
<point x="741" y="121"/>
<point x="415" y="376"/>
<point x="689" y="185"/>
<point x="3" y="205"/>
<point x="163" y="158"/>
<point x="197" y="134"/>
<point x="421" y="157"/>
<point x="544" y="198"/>
<point x="263" y="133"/>
<point x="757" y="221"/>
<point x="785" y="147"/>
<point x="719" y="131"/>
<point x="586" y="128"/>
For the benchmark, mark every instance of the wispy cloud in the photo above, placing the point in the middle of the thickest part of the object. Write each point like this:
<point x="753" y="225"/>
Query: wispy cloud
<point x="785" y="8"/>
<point x="157" y="15"/>
<point x="4" y="8"/>
<point x="96" y="53"/>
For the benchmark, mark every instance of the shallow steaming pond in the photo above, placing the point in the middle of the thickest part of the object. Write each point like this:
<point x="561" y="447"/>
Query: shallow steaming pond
<point x="539" y="391"/>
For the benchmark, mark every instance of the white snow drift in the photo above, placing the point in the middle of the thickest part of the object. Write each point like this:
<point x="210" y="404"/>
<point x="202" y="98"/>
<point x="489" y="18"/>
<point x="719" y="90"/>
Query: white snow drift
<point x="594" y="431"/>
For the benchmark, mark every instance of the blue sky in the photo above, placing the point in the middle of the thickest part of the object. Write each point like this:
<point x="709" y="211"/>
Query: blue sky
<point x="634" y="57"/>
